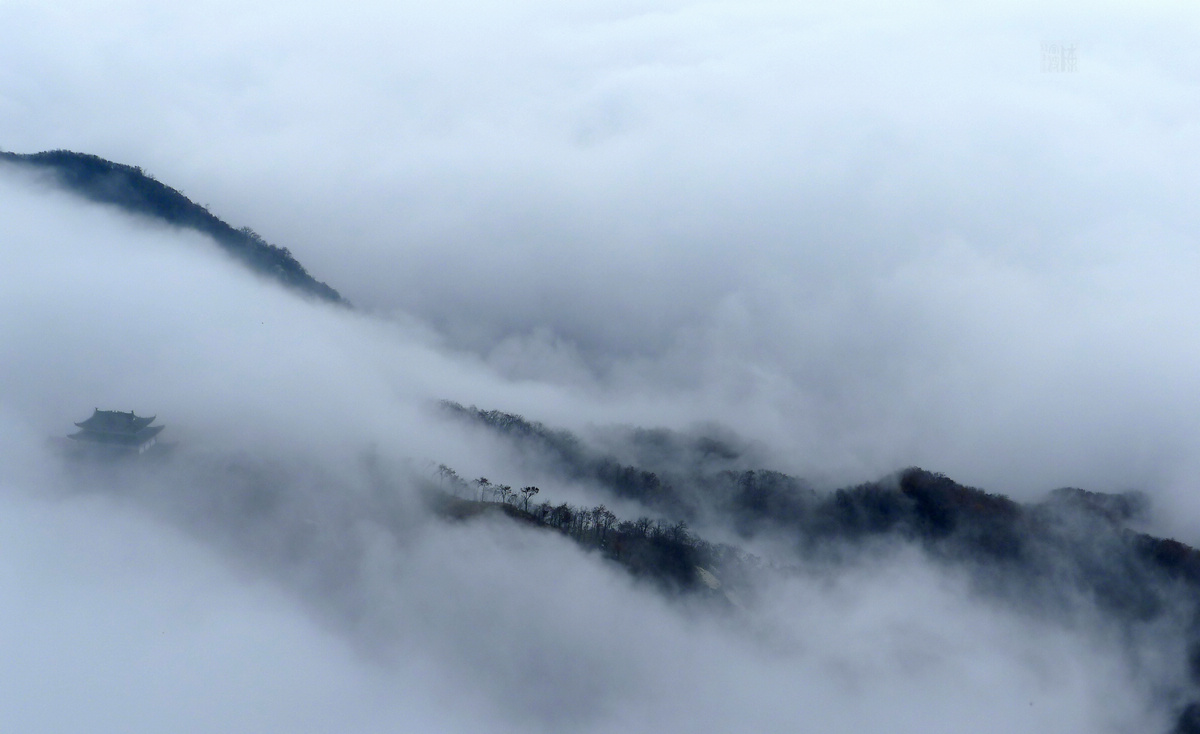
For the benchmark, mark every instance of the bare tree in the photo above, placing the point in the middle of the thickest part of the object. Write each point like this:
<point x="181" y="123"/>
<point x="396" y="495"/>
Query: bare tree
<point x="451" y="477"/>
<point x="661" y="529"/>
<point x="529" y="492"/>
<point x="561" y="516"/>
<point x="504" y="491"/>
<point x="679" y="532"/>
<point x="604" y="520"/>
<point x="642" y="526"/>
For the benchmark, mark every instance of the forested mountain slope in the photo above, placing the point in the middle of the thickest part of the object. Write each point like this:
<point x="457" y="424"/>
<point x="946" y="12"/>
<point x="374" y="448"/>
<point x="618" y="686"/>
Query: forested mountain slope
<point x="131" y="189"/>
<point x="1073" y="550"/>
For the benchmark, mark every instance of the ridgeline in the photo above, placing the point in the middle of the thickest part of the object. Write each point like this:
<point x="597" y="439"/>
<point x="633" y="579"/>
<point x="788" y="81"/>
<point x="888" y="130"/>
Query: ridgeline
<point x="132" y="190"/>
<point x="1073" y="546"/>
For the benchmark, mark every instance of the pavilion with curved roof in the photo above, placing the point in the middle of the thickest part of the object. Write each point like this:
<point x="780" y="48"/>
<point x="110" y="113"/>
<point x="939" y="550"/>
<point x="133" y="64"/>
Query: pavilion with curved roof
<point x="118" y="430"/>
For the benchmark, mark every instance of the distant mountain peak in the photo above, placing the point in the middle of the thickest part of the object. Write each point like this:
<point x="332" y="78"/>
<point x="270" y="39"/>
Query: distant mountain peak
<point x="134" y="191"/>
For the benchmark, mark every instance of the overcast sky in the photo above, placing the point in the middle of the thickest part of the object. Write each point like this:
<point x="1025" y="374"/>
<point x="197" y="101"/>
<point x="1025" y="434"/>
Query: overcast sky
<point x="863" y="235"/>
<point x="871" y="235"/>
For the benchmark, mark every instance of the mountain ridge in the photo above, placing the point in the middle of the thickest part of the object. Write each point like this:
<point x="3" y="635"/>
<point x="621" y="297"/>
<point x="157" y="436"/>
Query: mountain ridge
<point x="1073" y="547"/>
<point x="132" y="190"/>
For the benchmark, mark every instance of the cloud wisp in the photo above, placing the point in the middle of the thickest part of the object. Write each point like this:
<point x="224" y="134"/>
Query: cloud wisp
<point x="860" y="238"/>
<point x="282" y="554"/>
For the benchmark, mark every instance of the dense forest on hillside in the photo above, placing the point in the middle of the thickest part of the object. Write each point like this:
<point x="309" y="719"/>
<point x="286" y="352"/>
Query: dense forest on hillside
<point x="663" y="552"/>
<point x="1072" y="544"/>
<point x="953" y="520"/>
<point x="134" y="191"/>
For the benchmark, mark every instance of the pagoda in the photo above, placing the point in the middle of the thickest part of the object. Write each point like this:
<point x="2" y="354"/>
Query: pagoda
<point x="117" y="431"/>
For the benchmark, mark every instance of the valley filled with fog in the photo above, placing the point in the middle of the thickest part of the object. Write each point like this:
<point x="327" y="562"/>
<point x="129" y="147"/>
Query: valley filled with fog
<point x="645" y="256"/>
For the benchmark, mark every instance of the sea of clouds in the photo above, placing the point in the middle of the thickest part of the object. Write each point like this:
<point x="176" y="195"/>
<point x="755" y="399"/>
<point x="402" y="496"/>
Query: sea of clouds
<point x="862" y="236"/>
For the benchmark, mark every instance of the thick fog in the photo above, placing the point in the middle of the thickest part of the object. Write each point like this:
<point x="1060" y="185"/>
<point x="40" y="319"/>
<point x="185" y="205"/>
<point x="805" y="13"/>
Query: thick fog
<point x="860" y="237"/>
<point x="872" y="235"/>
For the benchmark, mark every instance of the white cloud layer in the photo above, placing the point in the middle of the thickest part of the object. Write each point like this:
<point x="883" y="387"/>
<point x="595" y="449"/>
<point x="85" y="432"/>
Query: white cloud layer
<point x="873" y="235"/>
<point x="864" y="236"/>
<point x="167" y="599"/>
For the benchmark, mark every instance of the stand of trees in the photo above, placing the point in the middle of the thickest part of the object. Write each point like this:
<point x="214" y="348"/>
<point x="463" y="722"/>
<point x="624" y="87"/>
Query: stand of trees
<point x="663" y="551"/>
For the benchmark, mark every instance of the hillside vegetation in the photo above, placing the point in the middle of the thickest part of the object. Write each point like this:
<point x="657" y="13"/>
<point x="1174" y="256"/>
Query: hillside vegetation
<point x="134" y="191"/>
<point x="1074" y="547"/>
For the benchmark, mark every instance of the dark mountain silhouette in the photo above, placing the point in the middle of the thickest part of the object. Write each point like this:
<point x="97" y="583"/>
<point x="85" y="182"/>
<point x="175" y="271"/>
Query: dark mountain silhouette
<point x="1074" y="547"/>
<point x="956" y="521"/>
<point x="131" y="189"/>
<point x="666" y="554"/>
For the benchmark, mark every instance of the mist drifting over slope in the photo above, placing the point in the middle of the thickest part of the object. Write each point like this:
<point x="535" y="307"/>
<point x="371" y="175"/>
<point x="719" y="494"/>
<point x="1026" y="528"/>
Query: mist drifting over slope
<point x="877" y="235"/>
<point x="859" y="238"/>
